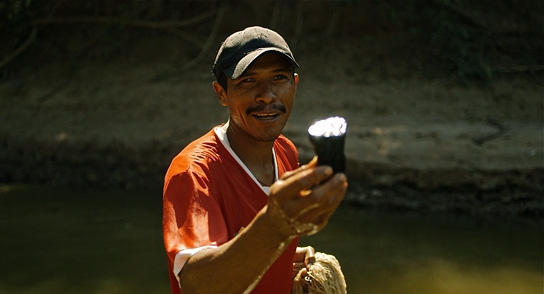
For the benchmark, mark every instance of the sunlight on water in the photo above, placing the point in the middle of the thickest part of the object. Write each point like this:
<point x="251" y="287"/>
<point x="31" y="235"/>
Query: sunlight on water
<point x="446" y="277"/>
<point x="392" y="253"/>
<point x="60" y="240"/>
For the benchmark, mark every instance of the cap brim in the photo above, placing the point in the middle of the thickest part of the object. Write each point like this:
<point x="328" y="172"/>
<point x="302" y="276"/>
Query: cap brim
<point x="234" y="71"/>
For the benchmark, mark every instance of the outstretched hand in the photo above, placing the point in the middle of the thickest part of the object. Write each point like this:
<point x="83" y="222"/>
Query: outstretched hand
<point x="303" y="200"/>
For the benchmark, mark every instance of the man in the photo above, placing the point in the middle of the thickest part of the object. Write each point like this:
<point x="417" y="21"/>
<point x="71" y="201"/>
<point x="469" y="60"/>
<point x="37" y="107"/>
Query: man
<point x="235" y="200"/>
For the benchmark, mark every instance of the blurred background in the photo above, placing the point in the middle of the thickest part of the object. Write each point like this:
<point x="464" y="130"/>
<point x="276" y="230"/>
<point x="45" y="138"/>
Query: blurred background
<point x="444" y="101"/>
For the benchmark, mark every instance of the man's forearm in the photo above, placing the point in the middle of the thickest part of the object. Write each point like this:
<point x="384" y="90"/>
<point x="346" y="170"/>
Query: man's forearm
<point x="238" y="265"/>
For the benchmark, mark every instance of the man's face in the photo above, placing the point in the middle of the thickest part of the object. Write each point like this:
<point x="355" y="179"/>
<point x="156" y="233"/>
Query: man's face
<point x="260" y="100"/>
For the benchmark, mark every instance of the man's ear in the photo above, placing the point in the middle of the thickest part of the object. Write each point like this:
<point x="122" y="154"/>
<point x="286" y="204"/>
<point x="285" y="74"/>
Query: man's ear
<point x="296" y="78"/>
<point x="221" y="93"/>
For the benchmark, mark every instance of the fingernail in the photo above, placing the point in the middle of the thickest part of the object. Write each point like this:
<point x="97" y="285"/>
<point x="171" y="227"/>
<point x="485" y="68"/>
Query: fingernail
<point x="342" y="177"/>
<point x="328" y="171"/>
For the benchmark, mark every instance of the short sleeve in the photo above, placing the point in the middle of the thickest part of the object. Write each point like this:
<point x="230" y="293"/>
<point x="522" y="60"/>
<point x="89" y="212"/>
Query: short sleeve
<point x="191" y="215"/>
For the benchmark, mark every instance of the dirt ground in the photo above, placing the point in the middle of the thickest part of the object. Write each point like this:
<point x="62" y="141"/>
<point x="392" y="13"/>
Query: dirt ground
<point x="416" y="140"/>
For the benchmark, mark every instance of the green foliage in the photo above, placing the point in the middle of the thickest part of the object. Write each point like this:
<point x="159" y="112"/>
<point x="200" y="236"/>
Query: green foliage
<point x="15" y="12"/>
<point x="15" y="8"/>
<point x="448" y="33"/>
<point x="15" y="26"/>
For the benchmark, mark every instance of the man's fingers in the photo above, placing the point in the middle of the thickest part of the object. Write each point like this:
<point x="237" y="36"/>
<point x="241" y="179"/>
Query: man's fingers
<point x="306" y="199"/>
<point x="303" y="180"/>
<point x="309" y="259"/>
<point x="326" y="196"/>
<point x="309" y="165"/>
<point x="314" y="210"/>
<point x="332" y="191"/>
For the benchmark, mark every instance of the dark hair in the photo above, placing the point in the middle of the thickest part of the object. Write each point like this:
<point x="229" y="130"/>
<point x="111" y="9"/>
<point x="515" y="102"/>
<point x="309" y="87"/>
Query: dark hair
<point x="223" y="81"/>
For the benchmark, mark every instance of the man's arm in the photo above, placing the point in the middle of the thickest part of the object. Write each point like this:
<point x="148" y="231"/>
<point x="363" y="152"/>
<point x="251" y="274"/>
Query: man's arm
<point x="293" y="209"/>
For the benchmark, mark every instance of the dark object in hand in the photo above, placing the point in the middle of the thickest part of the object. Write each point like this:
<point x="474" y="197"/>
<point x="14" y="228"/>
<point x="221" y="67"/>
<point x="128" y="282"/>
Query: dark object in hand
<point x="328" y="137"/>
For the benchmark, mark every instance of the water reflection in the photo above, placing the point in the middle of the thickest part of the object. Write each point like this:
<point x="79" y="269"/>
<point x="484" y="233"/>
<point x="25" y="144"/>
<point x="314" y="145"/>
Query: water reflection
<point x="81" y="241"/>
<point x="60" y="240"/>
<point x="411" y="253"/>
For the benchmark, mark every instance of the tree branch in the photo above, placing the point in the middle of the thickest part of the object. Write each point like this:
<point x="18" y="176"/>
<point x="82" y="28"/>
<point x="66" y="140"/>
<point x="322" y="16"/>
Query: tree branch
<point x="104" y="20"/>
<point x="123" y="21"/>
<point x="209" y="41"/>
<point x="170" y="73"/>
<point x="20" y="49"/>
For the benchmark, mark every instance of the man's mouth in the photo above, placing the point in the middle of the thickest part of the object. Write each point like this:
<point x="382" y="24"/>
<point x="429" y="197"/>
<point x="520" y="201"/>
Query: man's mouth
<point x="266" y="116"/>
<point x="261" y="113"/>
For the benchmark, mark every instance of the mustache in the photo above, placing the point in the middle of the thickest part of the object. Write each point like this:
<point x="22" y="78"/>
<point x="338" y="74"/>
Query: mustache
<point x="260" y="108"/>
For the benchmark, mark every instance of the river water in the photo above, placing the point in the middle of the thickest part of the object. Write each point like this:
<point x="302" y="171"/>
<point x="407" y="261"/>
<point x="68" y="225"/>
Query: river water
<point x="73" y="240"/>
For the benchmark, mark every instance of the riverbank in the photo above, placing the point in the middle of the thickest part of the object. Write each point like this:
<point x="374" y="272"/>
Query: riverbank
<point x="413" y="144"/>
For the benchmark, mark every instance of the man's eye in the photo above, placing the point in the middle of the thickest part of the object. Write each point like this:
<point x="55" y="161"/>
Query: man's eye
<point x="281" y="77"/>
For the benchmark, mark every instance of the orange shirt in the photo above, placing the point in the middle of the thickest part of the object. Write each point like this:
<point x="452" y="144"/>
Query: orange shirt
<point x="208" y="197"/>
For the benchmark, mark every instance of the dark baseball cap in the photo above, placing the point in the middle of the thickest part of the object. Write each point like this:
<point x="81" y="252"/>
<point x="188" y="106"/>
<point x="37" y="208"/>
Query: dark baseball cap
<point x="240" y="49"/>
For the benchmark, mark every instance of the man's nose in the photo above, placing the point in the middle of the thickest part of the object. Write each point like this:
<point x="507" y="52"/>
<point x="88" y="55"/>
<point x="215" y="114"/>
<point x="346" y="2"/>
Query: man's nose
<point x="266" y="92"/>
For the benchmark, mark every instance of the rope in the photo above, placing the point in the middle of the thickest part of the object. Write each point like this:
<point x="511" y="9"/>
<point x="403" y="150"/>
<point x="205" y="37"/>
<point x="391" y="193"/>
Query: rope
<point x="324" y="277"/>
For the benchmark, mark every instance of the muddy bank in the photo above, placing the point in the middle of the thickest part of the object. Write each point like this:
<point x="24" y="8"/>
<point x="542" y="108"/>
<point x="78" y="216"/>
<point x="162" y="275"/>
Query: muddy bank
<point x="412" y="144"/>
<point x="372" y="186"/>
